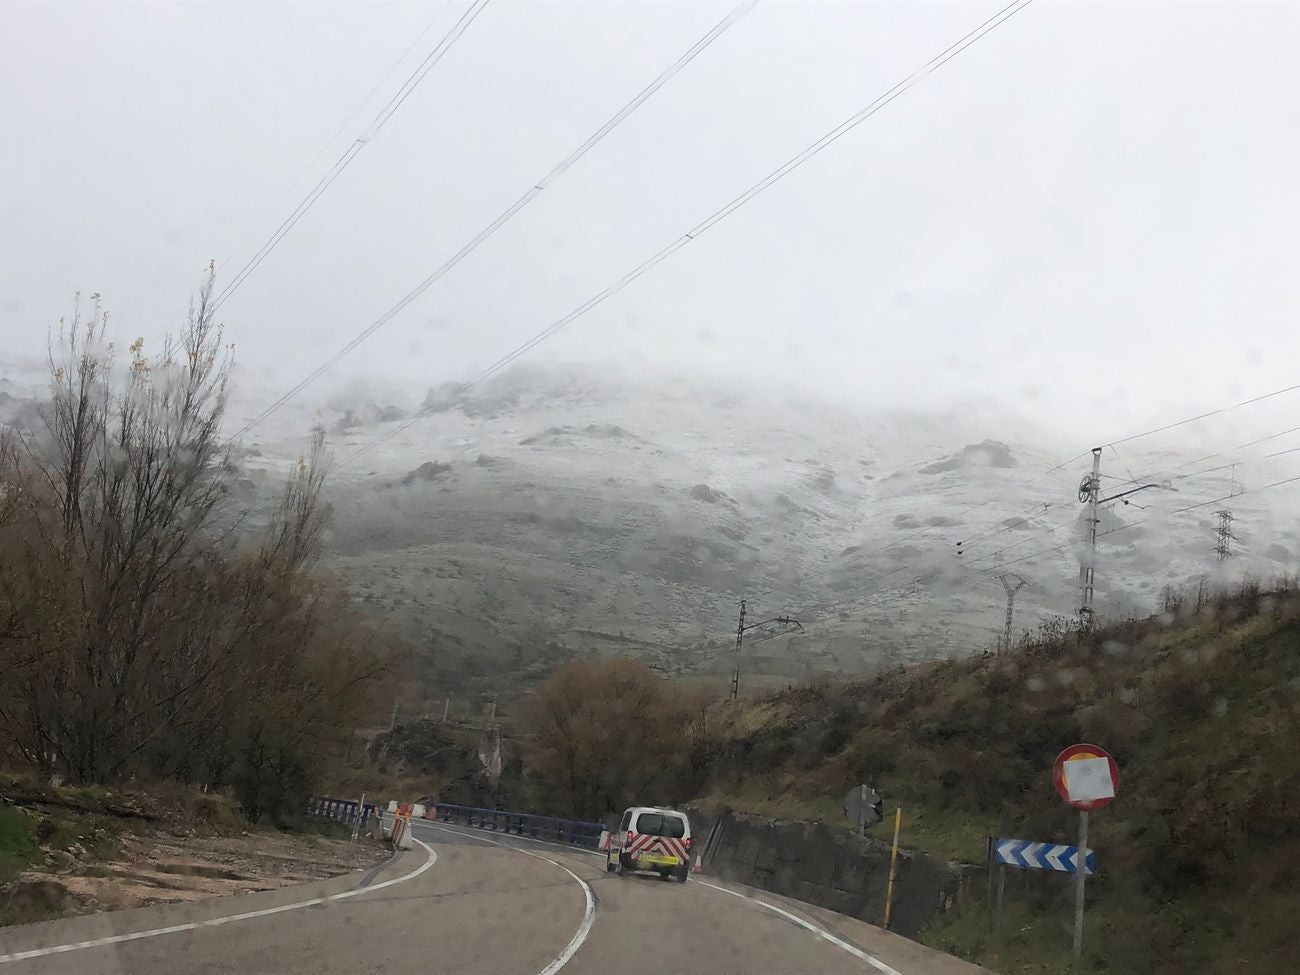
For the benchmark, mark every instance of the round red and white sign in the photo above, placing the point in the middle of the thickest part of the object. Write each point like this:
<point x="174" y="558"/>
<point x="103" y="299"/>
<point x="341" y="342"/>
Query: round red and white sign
<point x="1086" y="777"/>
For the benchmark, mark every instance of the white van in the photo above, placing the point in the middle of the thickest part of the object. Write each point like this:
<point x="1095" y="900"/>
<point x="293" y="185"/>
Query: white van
<point x="654" y="839"/>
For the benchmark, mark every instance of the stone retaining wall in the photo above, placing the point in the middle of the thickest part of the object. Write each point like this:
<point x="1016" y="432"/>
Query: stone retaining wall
<point x="831" y="868"/>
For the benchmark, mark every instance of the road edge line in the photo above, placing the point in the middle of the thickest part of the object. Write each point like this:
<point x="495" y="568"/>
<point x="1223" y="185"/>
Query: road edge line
<point x="213" y="922"/>
<point x="809" y="926"/>
<point x="588" y="914"/>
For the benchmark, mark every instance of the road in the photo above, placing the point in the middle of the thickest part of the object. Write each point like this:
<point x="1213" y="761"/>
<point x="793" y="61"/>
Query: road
<point x="464" y="902"/>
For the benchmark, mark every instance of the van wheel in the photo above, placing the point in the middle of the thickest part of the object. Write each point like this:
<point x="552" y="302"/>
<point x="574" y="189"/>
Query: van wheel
<point x="681" y="873"/>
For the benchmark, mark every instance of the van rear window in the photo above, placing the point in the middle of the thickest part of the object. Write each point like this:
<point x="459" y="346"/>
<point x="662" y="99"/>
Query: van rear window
<point x="656" y="824"/>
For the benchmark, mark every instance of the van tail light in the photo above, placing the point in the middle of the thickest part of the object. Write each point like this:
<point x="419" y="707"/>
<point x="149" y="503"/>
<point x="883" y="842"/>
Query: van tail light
<point x="687" y="842"/>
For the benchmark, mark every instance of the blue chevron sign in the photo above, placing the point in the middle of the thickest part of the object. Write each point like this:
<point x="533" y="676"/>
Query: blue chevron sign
<point x="1041" y="856"/>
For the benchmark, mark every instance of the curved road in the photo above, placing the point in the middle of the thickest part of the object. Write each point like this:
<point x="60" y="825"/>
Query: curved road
<point x="467" y="903"/>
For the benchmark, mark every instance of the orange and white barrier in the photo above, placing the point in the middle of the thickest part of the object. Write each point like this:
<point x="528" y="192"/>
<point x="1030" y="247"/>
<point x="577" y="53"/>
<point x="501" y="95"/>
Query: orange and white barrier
<point x="402" y="827"/>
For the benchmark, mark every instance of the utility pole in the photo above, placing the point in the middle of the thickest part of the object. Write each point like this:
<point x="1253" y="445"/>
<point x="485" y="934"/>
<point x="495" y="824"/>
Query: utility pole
<point x="1012" y="589"/>
<point x="741" y="628"/>
<point x="740" y="639"/>
<point x="1089" y="492"/>
<point x="1223" y="547"/>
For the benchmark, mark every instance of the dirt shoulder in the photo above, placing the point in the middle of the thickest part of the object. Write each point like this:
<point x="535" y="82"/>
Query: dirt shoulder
<point x="158" y="870"/>
<point x="61" y="855"/>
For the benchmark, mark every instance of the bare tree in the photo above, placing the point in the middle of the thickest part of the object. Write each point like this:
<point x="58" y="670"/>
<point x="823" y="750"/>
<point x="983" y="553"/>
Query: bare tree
<point x="136" y="639"/>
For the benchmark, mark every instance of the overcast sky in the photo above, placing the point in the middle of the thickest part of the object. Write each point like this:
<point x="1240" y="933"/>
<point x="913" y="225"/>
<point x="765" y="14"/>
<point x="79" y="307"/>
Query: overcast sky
<point x="1091" y="215"/>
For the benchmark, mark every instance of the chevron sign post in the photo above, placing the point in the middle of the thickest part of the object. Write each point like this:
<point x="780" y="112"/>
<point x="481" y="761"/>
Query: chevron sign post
<point x="1028" y="855"/>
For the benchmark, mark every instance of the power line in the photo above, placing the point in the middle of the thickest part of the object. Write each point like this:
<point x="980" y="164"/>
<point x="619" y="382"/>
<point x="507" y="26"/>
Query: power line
<point x="1112" y="531"/>
<point x="996" y="529"/>
<point x="1203" y="416"/>
<point x="822" y="609"/>
<point x="992" y="530"/>
<point x="1210" y="470"/>
<point x="1039" y="510"/>
<point x="983" y="533"/>
<point x="1057" y="548"/>
<point x="532" y="193"/>
<point x="1226" y="497"/>
<point x="852" y="122"/>
<point x="442" y="10"/>
<point x="1047" y="551"/>
<point x="1220" y="453"/>
<point x="1037" y="535"/>
<point x="353" y="150"/>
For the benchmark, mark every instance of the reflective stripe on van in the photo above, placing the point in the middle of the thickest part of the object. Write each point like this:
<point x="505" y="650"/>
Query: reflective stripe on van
<point x="646" y="843"/>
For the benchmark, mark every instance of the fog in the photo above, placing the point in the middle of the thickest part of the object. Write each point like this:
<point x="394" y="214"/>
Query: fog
<point x="1088" y="217"/>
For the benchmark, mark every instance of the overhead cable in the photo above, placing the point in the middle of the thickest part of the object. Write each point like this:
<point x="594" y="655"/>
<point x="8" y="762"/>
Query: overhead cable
<point x="389" y="109"/>
<point x="852" y="122"/>
<point x="528" y="196"/>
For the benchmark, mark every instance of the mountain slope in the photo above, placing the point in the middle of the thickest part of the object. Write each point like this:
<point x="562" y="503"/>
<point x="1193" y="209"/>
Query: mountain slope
<point x="1199" y="854"/>
<point x="555" y="511"/>
<point x="569" y="512"/>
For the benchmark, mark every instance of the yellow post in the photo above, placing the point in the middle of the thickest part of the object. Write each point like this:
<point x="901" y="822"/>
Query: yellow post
<point x="893" y="863"/>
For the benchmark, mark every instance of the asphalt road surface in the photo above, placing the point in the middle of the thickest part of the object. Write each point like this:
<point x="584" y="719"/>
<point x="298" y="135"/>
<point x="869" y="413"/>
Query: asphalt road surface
<point x="467" y="903"/>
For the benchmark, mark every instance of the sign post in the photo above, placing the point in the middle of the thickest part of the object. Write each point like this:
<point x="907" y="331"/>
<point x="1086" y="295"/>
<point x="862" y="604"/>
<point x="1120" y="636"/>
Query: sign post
<point x="988" y="858"/>
<point x="356" y="825"/>
<point x="1080" y="876"/>
<point x="893" y="864"/>
<point x="1087" y="778"/>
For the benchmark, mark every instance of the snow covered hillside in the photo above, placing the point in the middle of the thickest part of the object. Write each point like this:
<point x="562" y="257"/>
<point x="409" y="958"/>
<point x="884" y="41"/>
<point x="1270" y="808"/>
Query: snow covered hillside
<point x="556" y="511"/>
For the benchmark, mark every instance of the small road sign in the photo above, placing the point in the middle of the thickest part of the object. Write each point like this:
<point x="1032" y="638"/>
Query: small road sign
<point x="1041" y="856"/>
<point x="1086" y="777"/>
<point x="864" y="807"/>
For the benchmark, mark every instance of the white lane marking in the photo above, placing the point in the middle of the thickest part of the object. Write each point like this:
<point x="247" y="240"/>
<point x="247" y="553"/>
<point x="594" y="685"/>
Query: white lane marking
<point x="227" y="919"/>
<point x="809" y="926"/>
<point x="588" y="914"/>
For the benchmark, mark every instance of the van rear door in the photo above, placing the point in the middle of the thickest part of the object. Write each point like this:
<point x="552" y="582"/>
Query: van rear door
<point x="660" y="837"/>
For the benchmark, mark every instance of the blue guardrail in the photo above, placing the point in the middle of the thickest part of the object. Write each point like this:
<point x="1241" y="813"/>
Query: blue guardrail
<point x="341" y="810"/>
<point x="574" y="832"/>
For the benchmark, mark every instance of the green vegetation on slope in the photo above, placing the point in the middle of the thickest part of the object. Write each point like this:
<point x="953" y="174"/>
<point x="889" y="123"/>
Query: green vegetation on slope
<point x="1200" y="854"/>
<point x="18" y="846"/>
